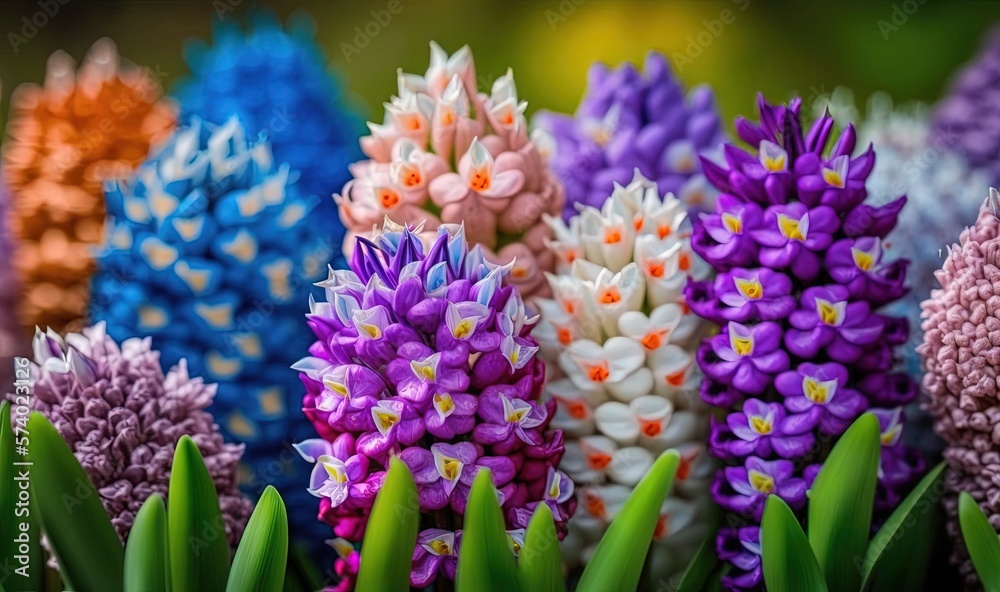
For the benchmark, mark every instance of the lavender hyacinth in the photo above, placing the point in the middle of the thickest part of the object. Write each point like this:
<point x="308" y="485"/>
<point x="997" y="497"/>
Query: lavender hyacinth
<point x="426" y="355"/>
<point x="960" y="354"/>
<point x="629" y="120"/>
<point x="967" y="118"/>
<point x="122" y="417"/>
<point x="802" y="351"/>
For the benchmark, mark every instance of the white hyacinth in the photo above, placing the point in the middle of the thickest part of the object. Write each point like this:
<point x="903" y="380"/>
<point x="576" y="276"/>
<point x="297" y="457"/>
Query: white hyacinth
<point x="620" y="343"/>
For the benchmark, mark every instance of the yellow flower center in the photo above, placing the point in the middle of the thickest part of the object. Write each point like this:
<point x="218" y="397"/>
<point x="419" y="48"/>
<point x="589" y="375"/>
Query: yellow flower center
<point x="386" y="419"/>
<point x="833" y="178"/>
<point x="863" y="259"/>
<point x="750" y="289"/>
<point x="336" y="474"/>
<point x="443" y="402"/>
<point x="761" y="425"/>
<point x="774" y="164"/>
<point x="761" y="482"/>
<point x="790" y="227"/>
<point x="372" y="330"/>
<point x="463" y="328"/>
<point x="743" y="346"/>
<point x="440" y="547"/>
<point x="814" y="391"/>
<point x="828" y="313"/>
<point x="451" y="468"/>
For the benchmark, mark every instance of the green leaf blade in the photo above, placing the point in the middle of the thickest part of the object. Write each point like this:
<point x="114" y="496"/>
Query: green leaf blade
<point x="485" y="561"/>
<point x="82" y="539"/>
<point x="897" y="556"/>
<point x="261" y="558"/>
<point x="196" y="533"/>
<point x="788" y="561"/>
<point x="617" y="562"/>
<point x="981" y="541"/>
<point x="701" y="568"/>
<point x="391" y="534"/>
<point x="540" y="561"/>
<point x="841" y="502"/>
<point x="146" y="561"/>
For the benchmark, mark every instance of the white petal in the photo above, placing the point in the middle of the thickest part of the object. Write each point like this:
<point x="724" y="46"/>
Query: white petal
<point x="616" y="421"/>
<point x="624" y="355"/>
<point x="630" y="465"/>
<point x="637" y="384"/>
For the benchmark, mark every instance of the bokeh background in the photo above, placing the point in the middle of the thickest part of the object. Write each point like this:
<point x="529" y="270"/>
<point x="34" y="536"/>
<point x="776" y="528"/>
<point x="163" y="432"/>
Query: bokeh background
<point x="909" y="48"/>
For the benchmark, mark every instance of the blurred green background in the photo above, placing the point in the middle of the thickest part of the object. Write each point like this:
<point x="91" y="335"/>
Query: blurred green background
<point x="909" y="48"/>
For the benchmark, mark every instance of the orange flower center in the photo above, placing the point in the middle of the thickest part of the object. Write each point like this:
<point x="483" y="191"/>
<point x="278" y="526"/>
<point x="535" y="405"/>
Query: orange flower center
<point x="388" y="198"/>
<point x="655" y="269"/>
<point x="610" y="296"/>
<point x="598" y="372"/>
<point x="652" y="341"/>
<point x="651" y="428"/>
<point x="565" y="336"/>
<point x="598" y="460"/>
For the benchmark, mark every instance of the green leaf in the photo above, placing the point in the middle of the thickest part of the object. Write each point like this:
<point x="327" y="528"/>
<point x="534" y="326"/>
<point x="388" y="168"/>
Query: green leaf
<point x="261" y="558"/>
<point x="146" y="558"/>
<point x="617" y="562"/>
<point x="540" y="561"/>
<point x="897" y="557"/>
<point x="701" y="568"/>
<point x="80" y="534"/>
<point x="840" y="504"/>
<point x="199" y="553"/>
<point x="788" y="561"/>
<point x="981" y="540"/>
<point x="486" y="562"/>
<point x="391" y="534"/>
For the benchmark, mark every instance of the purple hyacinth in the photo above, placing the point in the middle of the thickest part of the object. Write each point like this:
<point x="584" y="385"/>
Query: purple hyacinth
<point x="966" y="120"/>
<point x="801" y="273"/>
<point x="629" y="120"/>
<point x="122" y="417"/>
<point x="424" y="353"/>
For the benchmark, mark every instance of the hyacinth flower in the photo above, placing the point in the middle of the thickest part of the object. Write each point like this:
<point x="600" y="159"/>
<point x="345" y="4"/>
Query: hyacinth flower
<point x="64" y="139"/>
<point x="304" y="112"/>
<point x="631" y="120"/>
<point x="930" y="170"/>
<point x="11" y="339"/>
<point x="423" y="354"/>
<point x="811" y="353"/>
<point x="960" y="357"/>
<point x="964" y="119"/>
<point x="209" y="253"/>
<point x="122" y="418"/>
<point x="619" y="333"/>
<point x="449" y="154"/>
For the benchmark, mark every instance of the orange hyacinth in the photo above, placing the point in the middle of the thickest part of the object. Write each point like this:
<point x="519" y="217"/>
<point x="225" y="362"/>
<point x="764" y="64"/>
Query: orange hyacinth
<point x="64" y="140"/>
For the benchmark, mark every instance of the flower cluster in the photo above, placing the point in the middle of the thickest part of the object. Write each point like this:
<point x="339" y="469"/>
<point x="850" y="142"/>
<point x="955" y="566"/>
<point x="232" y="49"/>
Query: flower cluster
<point x="961" y="353"/>
<point x="926" y="169"/>
<point x="629" y="121"/>
<point x="449" y="154"/>
<point x="802" y="351"/>
<point x="620" y="332"/>
<point x="966" y="120"/>
<point x="65" y="139"/>
<point x="10" y="332"/>
<point x="424" y="354"/>
<point x="306" y="116"/>
<point x="122" y="417"/>
<point x="209" y="252"/>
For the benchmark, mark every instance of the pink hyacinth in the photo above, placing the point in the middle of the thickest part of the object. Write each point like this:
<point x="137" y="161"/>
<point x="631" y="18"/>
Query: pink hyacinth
<point x="961" y="356"/>
<point x="447" y="153"/>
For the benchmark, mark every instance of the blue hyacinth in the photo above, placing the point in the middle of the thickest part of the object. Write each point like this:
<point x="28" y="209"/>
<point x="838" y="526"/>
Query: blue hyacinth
<point x="211" y="250"/>
<point x="277" y="82"/>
